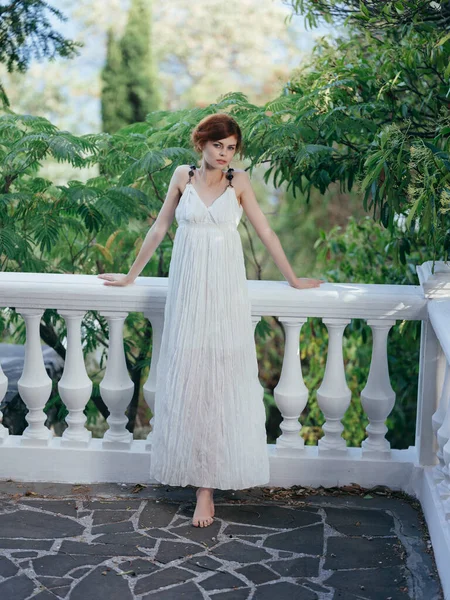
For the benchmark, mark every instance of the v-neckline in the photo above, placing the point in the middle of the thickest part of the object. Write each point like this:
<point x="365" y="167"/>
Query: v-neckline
<point x="212" y="203"/>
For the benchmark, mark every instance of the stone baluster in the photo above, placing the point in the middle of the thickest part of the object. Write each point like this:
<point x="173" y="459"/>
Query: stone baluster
<point x="333" y="395"/>
<point x="3" y="388"/>
<point x="255" y="320"/>
<point x="441" y="423"/>
<point x="116" y="388"/>
<point x="429" y="387"/>
<point x="156" y="319"/>
<point x="378" y="397"/>
<point x="35" y="386"/>
<point x="291" y="394"/>
<point x="75" y="387"/>
<point x="443" y="487"/>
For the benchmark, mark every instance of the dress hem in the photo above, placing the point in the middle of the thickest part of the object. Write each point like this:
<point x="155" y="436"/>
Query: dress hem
<point x="209" y="485"/>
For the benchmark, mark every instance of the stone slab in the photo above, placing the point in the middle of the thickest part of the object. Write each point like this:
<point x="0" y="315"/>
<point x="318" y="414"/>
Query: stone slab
<point x="268" y="516"/>
<point x="308" y="540"/>
<point x="372" y="583"/>
<point x="157" y="515"/>
<point x="237" y="551"/>
<point x="113" y="504"/>
<point x="169" y="551"/>
<point x="12" y="544"/>
<point x="37" y="525"/>
<point x="240" y="594"/>
<point x="202" y="564"/>
<point x="60" y="507"/>
<point x="60" y="565"/>
<point x="139" y="566"/>
<point x="257" y="574"/>
<point x="103" y="517"/>
<point x="186" y="591"/>
<point x="162" y="578"/>
<point x="100" y="584"/>
<point x="305" y="566"/>
<point x="359" y="553"/>
<point x="360" y="522"/>
<point x="24" y="554"/>
<point x="58" y="586"/>
<point x="222" y="581"/>
<point x="76" y="548"/>
<point x="17" y="588"/>
<point x="283" y="590"/>
<point x="7" y="568"/>
<point x="120" y="527"/>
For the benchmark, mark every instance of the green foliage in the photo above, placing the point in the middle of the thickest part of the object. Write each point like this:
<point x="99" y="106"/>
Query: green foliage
<point x="129" y="90"/>
<point x="378" y="99"/>
<point x="26" y="32"/>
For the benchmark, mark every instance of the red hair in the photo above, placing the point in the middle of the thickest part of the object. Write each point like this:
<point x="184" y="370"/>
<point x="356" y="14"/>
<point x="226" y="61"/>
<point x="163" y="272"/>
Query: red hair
<point x="216" y="127"/>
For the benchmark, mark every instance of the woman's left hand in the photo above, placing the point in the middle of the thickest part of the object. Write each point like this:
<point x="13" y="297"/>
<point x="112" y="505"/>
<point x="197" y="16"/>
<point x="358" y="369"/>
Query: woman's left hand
<point x="302" y="283"/>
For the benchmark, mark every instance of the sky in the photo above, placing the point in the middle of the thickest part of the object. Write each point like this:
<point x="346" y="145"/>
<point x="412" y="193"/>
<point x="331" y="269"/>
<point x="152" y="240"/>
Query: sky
<point x="68" y="91"/>
<point x="89" y="19"/>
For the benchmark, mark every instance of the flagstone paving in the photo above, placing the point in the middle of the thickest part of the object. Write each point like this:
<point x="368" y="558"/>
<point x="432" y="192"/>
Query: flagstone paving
<point x="61" y="542"/>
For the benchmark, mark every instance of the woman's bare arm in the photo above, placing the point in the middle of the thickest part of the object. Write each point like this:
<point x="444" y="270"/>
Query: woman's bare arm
<point x="155" y="234"/>
<point x="269" y="238"/>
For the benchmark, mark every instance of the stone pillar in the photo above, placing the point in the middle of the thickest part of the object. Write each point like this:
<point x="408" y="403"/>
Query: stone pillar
<point x="35" y="386"/>
<point x="333" y="396"/>
<point x="75" y="387"/>
<point x="116" y="388"/>
<point x="378" y="397"/>
<point x="291" y="394"/>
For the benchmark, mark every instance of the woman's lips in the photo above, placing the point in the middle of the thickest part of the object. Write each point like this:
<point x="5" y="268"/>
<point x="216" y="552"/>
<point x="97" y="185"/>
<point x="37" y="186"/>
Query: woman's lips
<point x="222" y="162"/>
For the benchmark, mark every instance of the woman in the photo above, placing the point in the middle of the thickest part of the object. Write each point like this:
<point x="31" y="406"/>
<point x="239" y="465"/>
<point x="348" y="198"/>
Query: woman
<point x="209" y="424"/>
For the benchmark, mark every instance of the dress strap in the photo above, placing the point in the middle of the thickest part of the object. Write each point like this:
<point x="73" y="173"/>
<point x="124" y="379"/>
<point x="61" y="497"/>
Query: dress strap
<point x="230" y="176"/>
<point x="191" y="172"/>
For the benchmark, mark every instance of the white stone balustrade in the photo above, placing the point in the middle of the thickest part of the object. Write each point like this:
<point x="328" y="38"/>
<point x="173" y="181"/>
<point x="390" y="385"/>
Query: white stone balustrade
<point x="34" y="385"/>
<point x="37" y="455"/>
<point x="75" y="387"/>
<point x="333" y="395"/>
<point x="291" y="394"/>
<point x="378" y="397"/>
<point x="116" y="387"/>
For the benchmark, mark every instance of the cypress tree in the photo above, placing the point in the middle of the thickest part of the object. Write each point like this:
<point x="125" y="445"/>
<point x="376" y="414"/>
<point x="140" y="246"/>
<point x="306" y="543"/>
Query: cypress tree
<point x="115" y="108"/>
<point x="129" y="82"/>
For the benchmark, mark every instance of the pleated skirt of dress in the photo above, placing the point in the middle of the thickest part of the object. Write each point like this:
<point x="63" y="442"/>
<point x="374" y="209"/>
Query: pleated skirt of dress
<point x="209" y="423"/>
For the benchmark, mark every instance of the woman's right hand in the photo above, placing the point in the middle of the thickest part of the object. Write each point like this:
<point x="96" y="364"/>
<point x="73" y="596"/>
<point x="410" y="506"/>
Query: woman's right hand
<point x="116" y="279"/>
<point x="304" y="283"/>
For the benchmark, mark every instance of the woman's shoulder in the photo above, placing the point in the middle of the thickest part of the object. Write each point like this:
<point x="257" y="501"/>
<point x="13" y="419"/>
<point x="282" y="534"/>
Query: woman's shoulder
<point x="182" y="169"/>
<point x="241" y="176"/>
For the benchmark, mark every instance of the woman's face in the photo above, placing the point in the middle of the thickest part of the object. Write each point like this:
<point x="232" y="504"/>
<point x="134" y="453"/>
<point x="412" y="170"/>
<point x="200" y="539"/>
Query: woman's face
<point x="218" y="154"/>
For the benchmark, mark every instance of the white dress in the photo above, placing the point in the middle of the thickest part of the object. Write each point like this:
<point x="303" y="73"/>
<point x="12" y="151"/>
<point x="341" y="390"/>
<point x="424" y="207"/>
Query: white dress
<point x="209" y="423"/>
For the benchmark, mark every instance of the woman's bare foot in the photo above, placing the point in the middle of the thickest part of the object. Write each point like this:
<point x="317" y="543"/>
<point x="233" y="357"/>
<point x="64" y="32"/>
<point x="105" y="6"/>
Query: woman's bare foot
<point x="204" y="510"/>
